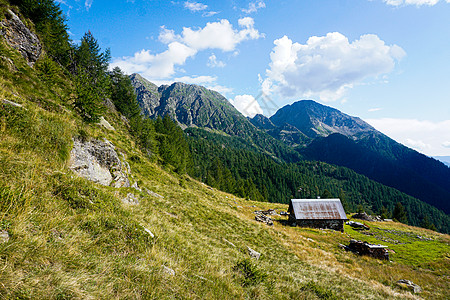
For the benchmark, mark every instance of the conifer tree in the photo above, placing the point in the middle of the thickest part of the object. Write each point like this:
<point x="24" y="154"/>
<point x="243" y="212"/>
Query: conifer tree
<point x="91" y="78"/>
<point x="400" y="213"/>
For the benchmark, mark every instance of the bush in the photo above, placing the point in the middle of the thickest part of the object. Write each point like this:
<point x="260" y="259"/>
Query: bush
<point x="250" y="272"/>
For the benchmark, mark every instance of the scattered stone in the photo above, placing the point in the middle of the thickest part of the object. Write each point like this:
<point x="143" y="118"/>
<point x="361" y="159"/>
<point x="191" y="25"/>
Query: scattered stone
<point x="136" y="187"/>
<point x="229" y="242"/>
<point x="363" y="216"/>
<point x="151" y="193"/>
<point x="284" y="213"/>
<point x="149" y="232"/>
<point x="8" y="63"/>
<point x="407" y="284"/>
<point x="270" y="212"/>
<point x="130" y="199"/>
<point x="11" y="103"/>
<point x="364" y="248"/>
<point x="168" y="271"/>
<point x="358" y="225"/>
<point x="4" y="236"/>
<point x="170" y="214"/>
<point x="253" y="253"/>
<point x="309" y="239"/>
<point x="202" y="278"/>
<point x="264" y="219"/>
<point x="19" y="37"/>
<point x="106" y="124"/>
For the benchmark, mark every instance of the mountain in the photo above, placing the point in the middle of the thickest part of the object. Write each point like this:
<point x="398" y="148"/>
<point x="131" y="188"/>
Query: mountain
<point x="314" y="120"/>
<point x="340" y="139"/>
<point x="196" y="106"/>
<point x="444" y="159"/>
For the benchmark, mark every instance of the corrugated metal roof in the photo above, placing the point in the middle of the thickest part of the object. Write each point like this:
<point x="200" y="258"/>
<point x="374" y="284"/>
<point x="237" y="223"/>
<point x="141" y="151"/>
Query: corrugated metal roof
<point x="318" y="209"/>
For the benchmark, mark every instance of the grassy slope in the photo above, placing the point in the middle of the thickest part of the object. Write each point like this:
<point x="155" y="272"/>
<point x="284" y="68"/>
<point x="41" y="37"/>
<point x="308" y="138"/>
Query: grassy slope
<point x="70" y="238"/>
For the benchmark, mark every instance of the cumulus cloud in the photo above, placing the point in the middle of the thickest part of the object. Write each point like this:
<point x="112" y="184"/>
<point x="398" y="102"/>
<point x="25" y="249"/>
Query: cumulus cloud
<point x="247" y="105"/>
<point x="429" y="137"/>
<point x="254" y="6"/>
<point x="215" y="35"/>
<point x="160" y="65"/>
<point x="88" y="4"/>
<point x="214" y="63"/>
<point x="326" y="66"/>
<point x="210" y="82"/>
<point x="412" y="2"/>
<point x="195" y="6"/>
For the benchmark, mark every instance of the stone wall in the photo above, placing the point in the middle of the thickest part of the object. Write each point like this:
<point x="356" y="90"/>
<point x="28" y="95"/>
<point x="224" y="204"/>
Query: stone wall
<point x="337" y="225"/>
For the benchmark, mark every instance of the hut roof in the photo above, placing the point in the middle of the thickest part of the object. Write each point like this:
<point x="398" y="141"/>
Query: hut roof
<point x="318" y="209"/>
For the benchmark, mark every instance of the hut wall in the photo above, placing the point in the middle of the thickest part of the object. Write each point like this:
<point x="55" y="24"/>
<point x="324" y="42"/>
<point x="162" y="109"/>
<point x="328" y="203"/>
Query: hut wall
<point x="337" y="225"/>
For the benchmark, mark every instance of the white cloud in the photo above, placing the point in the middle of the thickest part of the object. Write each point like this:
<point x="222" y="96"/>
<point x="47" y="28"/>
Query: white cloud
<point x="429" y="137"/>
<point x="160" y="67"/>
<point x="327" y="66"/>
<point x="254" y="6"/>
<point x="88" y="4"/>
<point x="210" y="82"/>
<point x="195" y="6"/>
<point x="412" y="2"/>
<point x="375" y="109"/>
<point x="214" y="63"/>
<point x="209" y="13"/>
<point x="247" y="105"/>
<point x="220" y="35"/>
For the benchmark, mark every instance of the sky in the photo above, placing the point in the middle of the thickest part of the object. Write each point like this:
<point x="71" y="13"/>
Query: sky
<point x="385" y="61"/>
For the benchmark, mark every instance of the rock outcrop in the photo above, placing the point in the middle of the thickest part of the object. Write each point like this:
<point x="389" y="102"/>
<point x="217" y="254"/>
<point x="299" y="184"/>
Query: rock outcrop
<point x="98" y="161"/>
<point x="19" y="37"/>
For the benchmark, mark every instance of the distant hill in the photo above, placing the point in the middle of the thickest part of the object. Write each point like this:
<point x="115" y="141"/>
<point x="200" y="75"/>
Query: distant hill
<point x="444" y="159"/>
<point x="340" y="139"/>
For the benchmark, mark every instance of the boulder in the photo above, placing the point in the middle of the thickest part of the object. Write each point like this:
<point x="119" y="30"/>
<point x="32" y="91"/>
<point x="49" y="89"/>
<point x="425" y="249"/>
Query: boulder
<point x="263" y="218"/>
<point x="19" y="37"/>
<point x="4" y="236"/>
<point x="98" y="161"/>
<point x="130" y="199"/>
<point x="407" y="284"/>
<point x="253" y="253"/>
<point x="168" y="271"/>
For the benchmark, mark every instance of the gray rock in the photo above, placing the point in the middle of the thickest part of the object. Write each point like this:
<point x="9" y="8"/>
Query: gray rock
<point x="96" y="160"/>
<point x="11" y="103"/>
<point x="4" y="236"/>
<point x="106" y="124"/>
<point x="151" y="193"/>
<point x="407" y="284"/>
<point x="19" y="37"/>
<point x="136" y="187"/>
<point x="253" y="253"/>
<point x="168" y="271"/>
<point x="149" y="232"/>
<point x="130" y="199"/>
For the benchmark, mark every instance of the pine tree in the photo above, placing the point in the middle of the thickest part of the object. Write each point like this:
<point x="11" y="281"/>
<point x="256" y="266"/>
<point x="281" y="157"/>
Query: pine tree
<point x="91" y="78"/>
<point x="123" y="95"/>
<point x="400" y="213"/>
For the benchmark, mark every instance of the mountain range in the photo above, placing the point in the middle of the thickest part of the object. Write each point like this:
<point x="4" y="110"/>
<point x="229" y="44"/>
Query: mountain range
<point x="304" y="130"/>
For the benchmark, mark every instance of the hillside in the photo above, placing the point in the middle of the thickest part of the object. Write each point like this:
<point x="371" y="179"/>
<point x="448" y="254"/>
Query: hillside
<point x="149" y="231"/>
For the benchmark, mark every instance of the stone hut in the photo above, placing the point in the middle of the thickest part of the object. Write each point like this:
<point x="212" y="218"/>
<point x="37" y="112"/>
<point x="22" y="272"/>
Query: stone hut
<point x="317" y="213"/>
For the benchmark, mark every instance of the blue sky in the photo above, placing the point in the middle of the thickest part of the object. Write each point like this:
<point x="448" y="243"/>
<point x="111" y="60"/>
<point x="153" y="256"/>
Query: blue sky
<point x="386" y="61"/>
